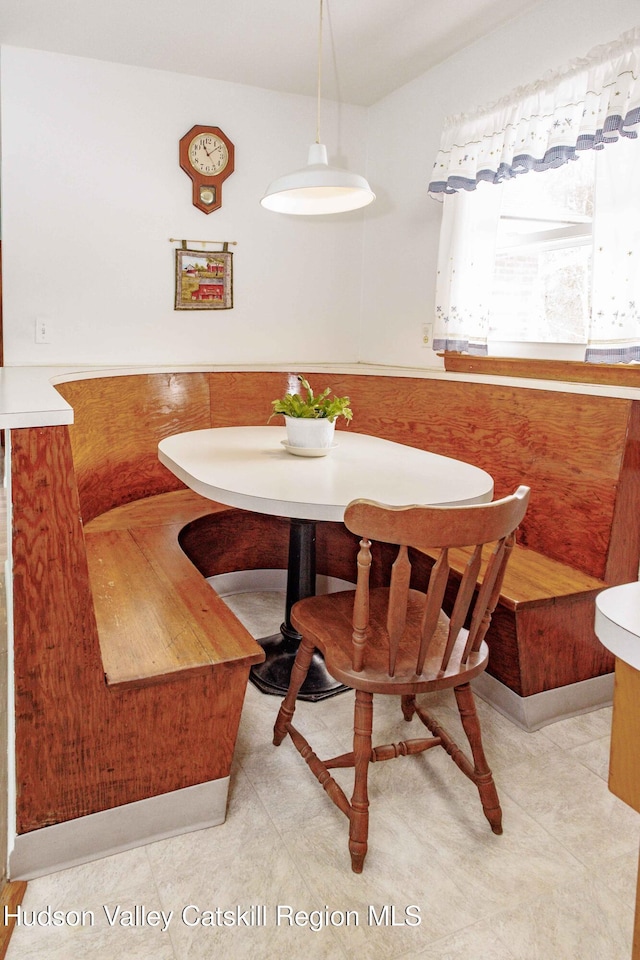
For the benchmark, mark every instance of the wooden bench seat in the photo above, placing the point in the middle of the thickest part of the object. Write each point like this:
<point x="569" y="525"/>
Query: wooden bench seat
<point x="157" y="617"/>
<point x="541" y="633"/>
<point x="534" y="580"/>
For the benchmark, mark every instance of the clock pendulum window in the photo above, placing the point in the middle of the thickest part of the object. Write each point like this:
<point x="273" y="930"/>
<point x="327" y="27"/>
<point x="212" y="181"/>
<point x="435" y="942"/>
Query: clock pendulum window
<point x="207" y="157"/>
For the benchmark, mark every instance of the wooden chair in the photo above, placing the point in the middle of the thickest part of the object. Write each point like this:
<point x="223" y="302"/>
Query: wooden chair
<point x="398" y="640"/>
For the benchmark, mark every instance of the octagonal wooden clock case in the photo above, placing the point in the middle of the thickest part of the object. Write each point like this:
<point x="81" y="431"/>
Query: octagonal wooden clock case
<point x="207" y="156"/>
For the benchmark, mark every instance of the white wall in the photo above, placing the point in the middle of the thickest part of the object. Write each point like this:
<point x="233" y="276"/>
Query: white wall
<point x="92" y="192"/>
<point x="401" y="234"/>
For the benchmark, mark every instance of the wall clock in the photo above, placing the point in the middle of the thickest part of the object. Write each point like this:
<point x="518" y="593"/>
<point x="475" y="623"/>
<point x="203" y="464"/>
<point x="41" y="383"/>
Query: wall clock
<point x="207" y="156"/>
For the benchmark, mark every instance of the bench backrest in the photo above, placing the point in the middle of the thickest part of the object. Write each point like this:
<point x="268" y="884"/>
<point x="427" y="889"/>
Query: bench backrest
<point x="118" y="422"/>
<point x="579" y="453"/>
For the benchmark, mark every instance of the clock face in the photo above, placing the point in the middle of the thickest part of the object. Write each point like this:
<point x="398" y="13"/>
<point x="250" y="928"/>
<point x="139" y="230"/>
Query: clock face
<point x="208" y="154"/>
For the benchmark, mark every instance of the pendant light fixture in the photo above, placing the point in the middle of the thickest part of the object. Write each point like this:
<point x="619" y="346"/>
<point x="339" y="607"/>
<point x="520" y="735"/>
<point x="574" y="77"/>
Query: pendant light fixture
<point x="318" y="188"/>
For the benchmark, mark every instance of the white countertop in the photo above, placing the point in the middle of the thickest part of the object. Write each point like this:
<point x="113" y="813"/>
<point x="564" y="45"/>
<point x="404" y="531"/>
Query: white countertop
<point x="617" y="623"/>
<point x="28" y="397"/>
<point x="248" y="467"/>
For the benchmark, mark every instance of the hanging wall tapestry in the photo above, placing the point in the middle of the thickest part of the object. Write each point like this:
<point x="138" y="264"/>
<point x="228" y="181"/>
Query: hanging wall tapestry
<point x="204" y="281"/>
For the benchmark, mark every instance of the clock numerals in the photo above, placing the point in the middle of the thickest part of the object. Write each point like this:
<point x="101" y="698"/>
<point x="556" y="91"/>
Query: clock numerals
<point x="208" y="155"/>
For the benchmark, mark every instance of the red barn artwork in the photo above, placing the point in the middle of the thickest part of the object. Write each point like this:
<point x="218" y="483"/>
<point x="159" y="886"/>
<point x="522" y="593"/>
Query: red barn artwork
<point x="204" y="281"/>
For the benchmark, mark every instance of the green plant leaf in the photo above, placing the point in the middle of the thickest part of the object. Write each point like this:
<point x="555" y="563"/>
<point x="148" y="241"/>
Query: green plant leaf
<point x="318" y="406"/>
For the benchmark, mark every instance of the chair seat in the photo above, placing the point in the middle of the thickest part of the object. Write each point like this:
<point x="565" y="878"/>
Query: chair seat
<point x="327" y="621"/>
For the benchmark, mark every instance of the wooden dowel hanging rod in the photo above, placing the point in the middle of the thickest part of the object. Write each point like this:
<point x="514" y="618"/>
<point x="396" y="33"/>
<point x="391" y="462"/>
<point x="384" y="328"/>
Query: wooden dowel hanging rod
<point x="233" y="243"/>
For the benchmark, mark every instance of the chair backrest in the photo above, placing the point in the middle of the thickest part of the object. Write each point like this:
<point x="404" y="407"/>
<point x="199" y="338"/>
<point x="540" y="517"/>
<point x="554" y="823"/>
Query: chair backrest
<point x="434" y="530"/>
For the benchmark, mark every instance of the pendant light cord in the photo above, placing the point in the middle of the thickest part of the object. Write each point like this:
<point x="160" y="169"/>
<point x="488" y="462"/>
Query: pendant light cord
<point x="319" y="75"/>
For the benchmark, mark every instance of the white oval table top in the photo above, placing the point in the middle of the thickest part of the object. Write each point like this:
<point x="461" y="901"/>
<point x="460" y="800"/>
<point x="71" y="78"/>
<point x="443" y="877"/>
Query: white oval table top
<point x="248" y="467"/>
<point x="617" y="623"/>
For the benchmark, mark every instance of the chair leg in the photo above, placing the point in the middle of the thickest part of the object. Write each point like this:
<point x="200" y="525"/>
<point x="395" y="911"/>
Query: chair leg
<point x="408" y="704"/>
<point x="299" y="672"/>
<point x="483" y="777"/>
<point x="359" y="818"/>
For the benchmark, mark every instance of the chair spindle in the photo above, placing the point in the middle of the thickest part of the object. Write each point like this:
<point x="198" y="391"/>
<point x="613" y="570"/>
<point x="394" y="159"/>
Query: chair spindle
<point x="398" y="600"/>
<point x="361" y="605"/>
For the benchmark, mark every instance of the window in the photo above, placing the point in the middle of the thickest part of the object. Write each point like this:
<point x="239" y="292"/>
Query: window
<point x="542" y="281"/>
<point x="518" y="180"/>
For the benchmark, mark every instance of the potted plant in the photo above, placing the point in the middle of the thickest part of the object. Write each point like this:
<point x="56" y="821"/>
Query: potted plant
<point x="310" y="420"/>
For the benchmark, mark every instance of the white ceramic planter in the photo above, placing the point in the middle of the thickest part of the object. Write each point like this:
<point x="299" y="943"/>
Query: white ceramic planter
<point x="307" y="432"/>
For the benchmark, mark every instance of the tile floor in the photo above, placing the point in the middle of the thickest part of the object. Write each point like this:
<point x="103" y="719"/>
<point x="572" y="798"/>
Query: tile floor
<point x="558" y="885"/>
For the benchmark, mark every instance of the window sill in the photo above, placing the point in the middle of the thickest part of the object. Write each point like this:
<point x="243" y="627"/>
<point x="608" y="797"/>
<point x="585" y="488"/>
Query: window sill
<point x="571" y="371"/>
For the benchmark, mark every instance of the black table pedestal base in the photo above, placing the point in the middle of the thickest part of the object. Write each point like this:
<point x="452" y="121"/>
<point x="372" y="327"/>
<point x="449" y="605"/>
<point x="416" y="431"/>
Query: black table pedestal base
<point x="273" y="675"/>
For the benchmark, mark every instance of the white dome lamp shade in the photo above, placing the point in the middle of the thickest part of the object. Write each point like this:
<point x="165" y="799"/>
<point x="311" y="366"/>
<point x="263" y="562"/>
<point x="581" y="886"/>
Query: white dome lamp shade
<point x="318" y="188"/>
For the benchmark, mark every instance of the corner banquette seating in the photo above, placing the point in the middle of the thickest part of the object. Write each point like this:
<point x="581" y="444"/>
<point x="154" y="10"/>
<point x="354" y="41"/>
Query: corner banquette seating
<point x="130" y="672"/>
<point x="398" y="641"/>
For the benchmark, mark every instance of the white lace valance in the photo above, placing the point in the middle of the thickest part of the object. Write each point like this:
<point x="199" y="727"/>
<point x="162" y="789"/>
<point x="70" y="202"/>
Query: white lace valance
<point x="592" y="102"/>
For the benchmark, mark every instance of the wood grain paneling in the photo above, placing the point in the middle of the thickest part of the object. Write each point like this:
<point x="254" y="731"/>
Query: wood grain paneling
<point x="80" y="746"/>
<point x="624" y="764"/>
<point x="532" y="579"/>
<point x="570" y="371"/>
<point x="624" y="542"/>
<point x="118" y="423"/>
<point x="558" y="646"/>
<point x="542" y="633"/>
<point x="624" y="767"/>
<point x="568" y="448"/>
<point x="236" y="540"/>
<point x="517" y="435"/>
<point x="222" y="635"/>
<point x="185" y="506"/>
<point x="244" y="399"/>
<point x="241" y="540"/>
<point x="157" y="617"/>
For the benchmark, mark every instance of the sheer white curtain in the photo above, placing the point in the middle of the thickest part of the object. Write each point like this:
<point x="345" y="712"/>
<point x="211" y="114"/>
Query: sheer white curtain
<point x="589" y="104"/>
<point x="614" y="335"/>
<point x="466" y="259"/>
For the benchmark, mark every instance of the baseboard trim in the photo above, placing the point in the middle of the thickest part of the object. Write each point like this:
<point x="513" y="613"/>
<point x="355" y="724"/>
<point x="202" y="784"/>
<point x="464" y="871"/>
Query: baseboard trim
<point x="540" y="709"/>
<point x="98" y="835"/>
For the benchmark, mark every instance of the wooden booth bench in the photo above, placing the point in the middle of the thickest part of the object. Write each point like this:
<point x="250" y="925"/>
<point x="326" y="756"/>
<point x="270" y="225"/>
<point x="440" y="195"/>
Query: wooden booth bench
<point x="130" y="670"/>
